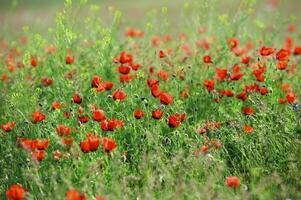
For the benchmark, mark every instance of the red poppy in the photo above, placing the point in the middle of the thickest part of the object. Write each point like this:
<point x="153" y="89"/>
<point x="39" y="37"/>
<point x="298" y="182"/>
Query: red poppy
<point x="248" y="129"/>
<point x="125" y="58"/>
<point x="124" y="69"/>
<point x="37" y="116"/>
<point x="63" y="130"/>
<point x="119" y="94"/>
<point x="38" y="155"/>
<point x="266" y="51"/>
<point x="297" y="50"/>
<point x="263" y="91"/>
<point x="108" y="85"/>
<point x="15" y="192"/>
<point x="245" y="60"/>
<point x="34" y="62"/>
<point x="166" y="98"/>
<point x="108" y="144"/>
<point x="204" y="149"/>
<point x="69" y="59"/>
<point x="161" y="54"/>
<point x="248" y="110"/>
<point x="138" y="114"/>
<point x="242" y="96"/>
<point x="73" y="194"/>
<point x="157" y="114"/>
<point x="163" y="75"/>
<point x="56" y="105"/>
<point x="135" y="67"/>
<point x="221" y="74"/>
<point x="83" y="119"/>
<point x="77" y="99"/>
<point x="42" y="144"/>
<point x="209" y="84"/>
<point x="8" y="126"/>
<point x="291" y="97"/>
<point x="174" y="121"/>
<point x="232" y="181"/>
<point x="99" y="115"/>
<point x="96" y="80"/>
<point x="125" y="78"/>
<point x="227" y="93"/>
<point x="282" y="100"/>
<point x="207" y="59"/>
<point x="46" y="81"/>
<point x="67" y="141"/>
<point x="156" y="92"/>
<point x="283" y="55"/>
<point x="233" y="43"/>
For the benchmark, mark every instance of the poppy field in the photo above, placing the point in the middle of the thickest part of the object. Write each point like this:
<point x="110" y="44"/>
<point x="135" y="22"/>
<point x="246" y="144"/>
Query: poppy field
<point x="183" y="99"/>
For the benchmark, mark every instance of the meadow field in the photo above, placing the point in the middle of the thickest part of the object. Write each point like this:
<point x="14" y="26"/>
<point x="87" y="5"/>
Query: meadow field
<point x="150" y="99"/>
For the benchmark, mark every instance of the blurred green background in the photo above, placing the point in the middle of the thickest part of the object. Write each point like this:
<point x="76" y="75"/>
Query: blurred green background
<point x="14" y="14"/>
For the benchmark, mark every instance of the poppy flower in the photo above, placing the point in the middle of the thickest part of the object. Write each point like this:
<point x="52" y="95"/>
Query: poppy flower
<point x="38" y="155"/>
<point x="73" y="194"/>
<point x="227" y="93"/>
<point x="119" y="94"/>
<point x="96" y="80"/>
<point x="242" y="96"/>
<point x="100" y="198"/>
<point x="34" y="62"/>
<point x="83" y="119"/>
<point x="125" y="78"/>
<point x="266" y="51"/>
<point x="69" y="59"/>
<point x="248" y="129"/>
<point x="157" y="114"/>
<point x="108" y="85"/>
<point x="56" y="105"/>
<point x="135" y="67"/>
<point x="283" y="55"/>
<point x="163" y="75"/>
<point x="155" y="90"/>
<point x="85" y="146"/>
<point x="207" y="59"/>
<point x="94" y="141"/>
<point x="15" y="192"/>
<point x="232" y="181"/>
<point x="67" y="141"/>
<point x="297" y="50"/>
<point x="8" y="126"/>
<point x="248" y="110"/>
<point x="204" y="149"/>
<point x="99" y="115"/>
<point x="42" y="144"/>
<point x="245" y="60"/>
<point x="77" y="99"/>
<point x="263" y="91"/>
<point x="124" y="69"/>
<point x="63" y="130"/>
<point x="138" y="114"/>
<point x="46" y="81"/>
<point x="291" y="97"/>
<point x="174" y="121"/>
<point x="161" y="54"/>
<point x="125" y="58"/>
<point x="108" y="144"/>
<point x="209" y="84"/>
<point x="37" y="116"/>
<point x="166" y="98"/>
<point x="282" y="65"/>
<point x="233" y="43"/>
<point x="282" y="100"/>
<point x="221" y="74"/>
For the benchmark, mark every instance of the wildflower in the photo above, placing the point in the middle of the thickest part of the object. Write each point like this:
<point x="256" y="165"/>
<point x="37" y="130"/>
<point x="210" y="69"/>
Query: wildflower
<point x="16" y="192"/>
